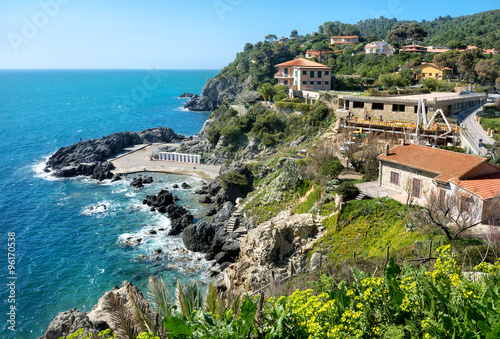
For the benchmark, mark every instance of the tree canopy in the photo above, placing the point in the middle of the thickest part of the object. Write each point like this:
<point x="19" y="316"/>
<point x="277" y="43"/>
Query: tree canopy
<point x="407" y="31"/>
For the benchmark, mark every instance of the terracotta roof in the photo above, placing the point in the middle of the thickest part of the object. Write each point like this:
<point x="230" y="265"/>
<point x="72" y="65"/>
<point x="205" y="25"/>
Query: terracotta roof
<point x="445" y="164"/>
<point x="309" y="51"/>
<point x="414" y="46"/>
<point x="485" y="186"/>
<point x="301" y="62"/>
<point x="344" y="36"/>
<point x="434" y="65"/>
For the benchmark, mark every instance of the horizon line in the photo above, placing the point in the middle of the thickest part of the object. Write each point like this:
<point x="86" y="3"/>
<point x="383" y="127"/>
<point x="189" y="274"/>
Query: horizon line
<point x="109" y="69"/>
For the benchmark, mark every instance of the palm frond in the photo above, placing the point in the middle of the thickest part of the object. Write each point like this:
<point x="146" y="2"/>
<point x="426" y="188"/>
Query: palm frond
<point x="211" y="299"/>
<point x="122" y="315"/>
<point x="158" y="296"/>
<point x="144" y="315"/>
<point x="179" y="294"/>
<point x="193" y="297"/>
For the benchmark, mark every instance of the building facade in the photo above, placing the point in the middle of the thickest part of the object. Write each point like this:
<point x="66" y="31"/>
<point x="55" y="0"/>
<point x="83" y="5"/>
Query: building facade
<point x="429" y="174"/>
<point x="320" y="55"/>
<point x="414" y="49"/>
<point x="431" y="70"/>
<point x="303" y="74"/>
<point x="344" y="40"/>
<point x="379" y="47"/>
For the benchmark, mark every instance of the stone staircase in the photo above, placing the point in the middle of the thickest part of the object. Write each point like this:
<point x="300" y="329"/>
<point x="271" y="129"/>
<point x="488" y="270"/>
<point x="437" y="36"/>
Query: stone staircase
<point x="360" y="196"/>
<point x="233" y="223"/>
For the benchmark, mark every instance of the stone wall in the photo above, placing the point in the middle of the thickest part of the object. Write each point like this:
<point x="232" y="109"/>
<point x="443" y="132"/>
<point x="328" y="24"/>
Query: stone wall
<point x="406" y="176"/>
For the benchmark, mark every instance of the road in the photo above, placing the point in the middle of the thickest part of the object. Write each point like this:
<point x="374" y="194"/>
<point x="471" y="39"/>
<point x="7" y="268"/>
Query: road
<point x="467" y="119"/>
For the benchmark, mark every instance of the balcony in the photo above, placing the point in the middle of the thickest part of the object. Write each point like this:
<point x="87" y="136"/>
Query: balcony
<point x="280" y="75"/>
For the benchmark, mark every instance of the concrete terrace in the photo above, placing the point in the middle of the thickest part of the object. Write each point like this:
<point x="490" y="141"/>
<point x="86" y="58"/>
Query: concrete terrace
<point x="136" y="159"/>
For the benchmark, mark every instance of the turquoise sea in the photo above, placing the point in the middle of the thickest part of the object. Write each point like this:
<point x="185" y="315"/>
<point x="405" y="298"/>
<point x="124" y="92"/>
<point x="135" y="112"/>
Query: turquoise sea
<point x="67" y="255"/>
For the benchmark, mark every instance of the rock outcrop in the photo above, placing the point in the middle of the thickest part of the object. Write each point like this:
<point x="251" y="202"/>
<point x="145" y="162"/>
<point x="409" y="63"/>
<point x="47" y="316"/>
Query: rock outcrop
<point x="98" y="319"/>
<point x="88" y="157"/>
<point x="163" y="202"/>
<point x="268" y="247"/>
<point x="188" y="95"/>
<point x="68" y="322"/>
<point x="215" y="92"/>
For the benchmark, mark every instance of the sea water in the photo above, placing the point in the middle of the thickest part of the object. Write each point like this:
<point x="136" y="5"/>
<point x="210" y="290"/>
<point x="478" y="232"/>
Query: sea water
<point x="67" y="234"/>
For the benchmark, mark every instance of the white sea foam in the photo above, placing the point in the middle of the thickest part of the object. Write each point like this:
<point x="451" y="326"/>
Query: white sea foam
<point x="99" y="208"/>
<point x="176" y="257"/>
<point x="182" y="109"/>
<point x="38" y="169"/>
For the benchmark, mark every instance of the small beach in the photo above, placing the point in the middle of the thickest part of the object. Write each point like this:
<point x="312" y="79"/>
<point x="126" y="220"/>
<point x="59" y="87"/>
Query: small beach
<point x="136" y="159"/>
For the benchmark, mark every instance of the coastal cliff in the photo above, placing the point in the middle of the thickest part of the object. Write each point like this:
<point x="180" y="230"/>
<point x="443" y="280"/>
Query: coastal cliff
<point x="215" y="92"/>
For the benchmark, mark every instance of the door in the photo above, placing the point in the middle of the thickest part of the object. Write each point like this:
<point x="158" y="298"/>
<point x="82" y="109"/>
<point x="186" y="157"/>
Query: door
<point x="415" y="192"/>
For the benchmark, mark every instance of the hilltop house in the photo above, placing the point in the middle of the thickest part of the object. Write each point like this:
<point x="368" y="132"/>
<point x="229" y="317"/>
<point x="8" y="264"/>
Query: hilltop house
<point x="430" y="70"/>
<point x="414" y="49"/>
<point x="344" y="40"/>
<point x="321" y="55"/>
<point x="436" y="49"/>
<point x="303" y="74"/>
<point x="427" y="173"/>
<point x="379" y="47"/>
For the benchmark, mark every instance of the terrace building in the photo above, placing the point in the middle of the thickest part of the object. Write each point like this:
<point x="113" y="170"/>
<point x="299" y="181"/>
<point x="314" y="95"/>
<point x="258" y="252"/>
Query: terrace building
<point x="303" y="74"/>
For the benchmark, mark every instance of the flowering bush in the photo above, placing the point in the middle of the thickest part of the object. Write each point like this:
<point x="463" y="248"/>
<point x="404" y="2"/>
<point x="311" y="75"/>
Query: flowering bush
<point x="404" y="302"/>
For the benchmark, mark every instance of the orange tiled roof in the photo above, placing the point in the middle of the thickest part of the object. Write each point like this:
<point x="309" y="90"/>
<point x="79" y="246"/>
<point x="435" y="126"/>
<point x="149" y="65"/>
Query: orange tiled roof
<point x="445" y="164"/>
<point x="434" y="65"/>
<point x="415" y="46"/>
<point x="301" y="62"/>
<point x="309" y="51"/>
<point x="485" y="186"/>
<point x="344" y="37"/>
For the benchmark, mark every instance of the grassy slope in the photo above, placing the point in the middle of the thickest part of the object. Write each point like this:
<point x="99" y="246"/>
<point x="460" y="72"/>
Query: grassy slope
<point x="368" y="227"/>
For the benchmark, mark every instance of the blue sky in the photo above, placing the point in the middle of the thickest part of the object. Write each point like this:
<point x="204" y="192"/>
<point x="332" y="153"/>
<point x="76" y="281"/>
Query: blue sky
<point x="195" y="34"/>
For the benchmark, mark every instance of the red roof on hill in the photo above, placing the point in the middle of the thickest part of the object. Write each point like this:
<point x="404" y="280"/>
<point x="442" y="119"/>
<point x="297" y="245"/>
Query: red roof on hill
<point x="433" y="64"/>
<point x="445" y="164"/>
<point x="302" y="63"/>
<point x="344" y="36"/>
<point x="485" y="186"/>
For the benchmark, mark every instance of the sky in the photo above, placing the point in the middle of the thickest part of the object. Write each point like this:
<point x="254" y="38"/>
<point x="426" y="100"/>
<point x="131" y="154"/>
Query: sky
<point x="165" y="34"/>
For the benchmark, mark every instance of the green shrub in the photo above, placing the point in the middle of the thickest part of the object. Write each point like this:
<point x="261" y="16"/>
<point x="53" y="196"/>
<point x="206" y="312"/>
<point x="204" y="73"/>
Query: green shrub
<point x="233" y="177"/>
<point x="214" y="134"/>
<point x="452" y="148"/>
<point x="318" y="114"/>
<point x="332" y="168"/>
<point x="347" y="190"/>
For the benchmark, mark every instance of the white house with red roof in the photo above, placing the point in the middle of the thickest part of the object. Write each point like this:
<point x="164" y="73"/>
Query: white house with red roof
<point x="303" y="74"/>
<point x="379" y="47"/>
<point x="430" y="173"/>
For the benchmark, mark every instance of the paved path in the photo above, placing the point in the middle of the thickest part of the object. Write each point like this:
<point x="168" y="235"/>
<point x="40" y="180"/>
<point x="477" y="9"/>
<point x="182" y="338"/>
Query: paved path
<point x="468" y="118"/>
<point x="373" y="190"/>
<point x="136" y="159"/>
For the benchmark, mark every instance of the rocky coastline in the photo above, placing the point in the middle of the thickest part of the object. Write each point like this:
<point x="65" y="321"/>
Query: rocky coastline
<point x="89" y="157"/>
<point x="244" y="262"/>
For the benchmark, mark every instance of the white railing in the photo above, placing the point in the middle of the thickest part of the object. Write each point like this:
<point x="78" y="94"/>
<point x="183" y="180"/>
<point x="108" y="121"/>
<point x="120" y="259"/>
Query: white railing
<point x="179" y="157"/>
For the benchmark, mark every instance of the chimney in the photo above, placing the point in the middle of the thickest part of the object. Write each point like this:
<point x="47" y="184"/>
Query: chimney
<point x="386" y="152"/>
<point x="403" y="142"/>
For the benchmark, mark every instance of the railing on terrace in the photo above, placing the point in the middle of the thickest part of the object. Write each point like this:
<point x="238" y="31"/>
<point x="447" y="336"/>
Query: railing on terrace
<point x="394" y="123"/>
<point x="282" y="75"/>
<point x="396" y="98"/>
